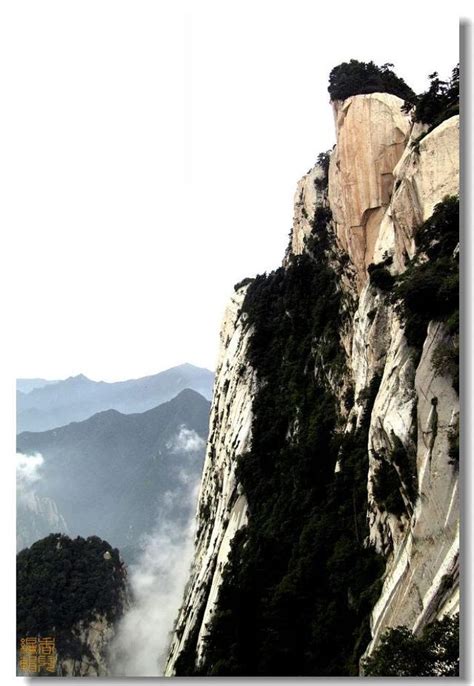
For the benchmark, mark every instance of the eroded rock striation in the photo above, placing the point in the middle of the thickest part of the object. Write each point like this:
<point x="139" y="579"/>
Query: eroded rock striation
<point x="393" y="402"/>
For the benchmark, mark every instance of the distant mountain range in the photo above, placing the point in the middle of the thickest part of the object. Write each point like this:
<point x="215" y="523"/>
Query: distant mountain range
<point x="43" y="405"/>
<point x="27" y="385"/>
<point x="116" y="475"/>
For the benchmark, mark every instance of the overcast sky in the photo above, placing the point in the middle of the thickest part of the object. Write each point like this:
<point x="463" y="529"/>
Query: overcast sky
<point x="151" y="151"/>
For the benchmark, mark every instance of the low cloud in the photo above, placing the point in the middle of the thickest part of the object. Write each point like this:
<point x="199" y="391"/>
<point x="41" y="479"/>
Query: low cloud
<point x="157" y="584"/>
<point x="28" y="468"/>
<point x="186" y="441"/>
<point x="37" y="515"/>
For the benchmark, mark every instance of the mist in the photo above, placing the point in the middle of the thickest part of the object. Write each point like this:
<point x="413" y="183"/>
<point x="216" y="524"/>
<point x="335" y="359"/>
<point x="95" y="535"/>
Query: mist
<point x="27" y="469"/>
<point x="36" y="515"/>
<point x="28" y="473"/>
<point x="157" y="584"/>
<point x="186" y="441"/>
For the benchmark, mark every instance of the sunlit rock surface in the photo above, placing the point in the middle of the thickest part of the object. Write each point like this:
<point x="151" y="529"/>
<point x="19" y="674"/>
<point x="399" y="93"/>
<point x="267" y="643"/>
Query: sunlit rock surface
<point x="222" y="507"/>
<point x="382" y="184"/>
<point x="372" y="132"/>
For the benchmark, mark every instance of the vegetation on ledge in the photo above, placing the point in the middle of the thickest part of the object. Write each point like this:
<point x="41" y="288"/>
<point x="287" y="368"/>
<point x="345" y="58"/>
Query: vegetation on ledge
<point x="300" y="583"/>
<point x="62" y="581"/>
<point x="439" y="102"/>
<point x="434" y="653"/>
<point x="429" y="288"/>
<point x="322" y="161"/>
<point x="380" y="276"/>
<point x="386" y="488"/>
<point x="357" y="78"/>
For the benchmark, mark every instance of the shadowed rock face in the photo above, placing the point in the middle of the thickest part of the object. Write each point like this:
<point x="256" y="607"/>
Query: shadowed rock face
<point x="381" y="187"/>
<point x="221" y="510"/>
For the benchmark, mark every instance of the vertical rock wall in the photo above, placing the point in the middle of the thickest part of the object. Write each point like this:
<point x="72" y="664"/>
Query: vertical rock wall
<point x="222" y="507"/>
<point x="382" y="185"/>
<point x="372" y="132"/>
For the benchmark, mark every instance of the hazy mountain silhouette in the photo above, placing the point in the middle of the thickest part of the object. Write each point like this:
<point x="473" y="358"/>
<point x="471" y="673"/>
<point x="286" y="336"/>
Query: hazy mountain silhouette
<point x="78" y="398"/>
<point x="27" y="385"/>
<point x="111" y="475"/>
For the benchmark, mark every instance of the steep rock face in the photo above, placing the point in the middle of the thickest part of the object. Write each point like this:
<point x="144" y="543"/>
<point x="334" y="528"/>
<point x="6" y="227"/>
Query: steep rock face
<point x="310" y="193"/>
<point x="422" y="572"/>
<point x="422" y="545"/>
<point x="427" y="171"/>
<point x="222" y="508"/>
<point x="382" y="184"/>
<point x="372" y="133"/>
<point x="95" y="638"/>
<point x="80" y="604"/>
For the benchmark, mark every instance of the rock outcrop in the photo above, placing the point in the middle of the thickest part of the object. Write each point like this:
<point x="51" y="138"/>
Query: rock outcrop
<point x="222" y="506"/>
<point x="311" y="192"/>
<point x="72" y="592"/>
<point x="95" y="638"/>
<point x="427" y="171"/>
<point x="384" y="181"/>
<point x="372" y="133"/>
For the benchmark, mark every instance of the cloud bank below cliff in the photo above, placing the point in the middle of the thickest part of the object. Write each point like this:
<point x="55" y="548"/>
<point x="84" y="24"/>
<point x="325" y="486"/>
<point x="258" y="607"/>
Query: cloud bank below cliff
<point x="157" y="583"/>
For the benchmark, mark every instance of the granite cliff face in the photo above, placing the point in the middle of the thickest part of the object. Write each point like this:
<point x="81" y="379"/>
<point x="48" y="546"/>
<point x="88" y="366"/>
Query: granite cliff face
<point x="382" y="183"/>
<point x="372" y="133"/>
<point x="95" y="638"/>
<point x="222" y="508"/>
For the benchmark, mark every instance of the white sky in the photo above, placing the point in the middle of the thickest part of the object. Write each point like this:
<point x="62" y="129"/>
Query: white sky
<point x="151" y="151"/>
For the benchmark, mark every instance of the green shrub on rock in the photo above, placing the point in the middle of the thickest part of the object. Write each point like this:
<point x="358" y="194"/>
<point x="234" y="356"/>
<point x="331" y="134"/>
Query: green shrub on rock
<point x="429" y="288"/>
<point x="434" y="653"/>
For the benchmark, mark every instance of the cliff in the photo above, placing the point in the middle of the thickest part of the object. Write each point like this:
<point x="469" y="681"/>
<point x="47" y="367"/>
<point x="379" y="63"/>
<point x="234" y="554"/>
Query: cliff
<point x="330" y="486"/>
<point x="93" y="641"/>
<point x="70" y="593"/>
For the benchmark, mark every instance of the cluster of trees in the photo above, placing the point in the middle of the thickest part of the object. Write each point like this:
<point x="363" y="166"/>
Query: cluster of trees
<point x="440" y="101"/>
<point x="386" y="487"/>
<point x="434" y="653"/>
<point x="300" y="583"/>
<point x="61" y="581"/>
<point x="322" y="161"/>
<point x="380" y="276"/>
<point x="395" y="474"/>
<point x="356" y="78"/>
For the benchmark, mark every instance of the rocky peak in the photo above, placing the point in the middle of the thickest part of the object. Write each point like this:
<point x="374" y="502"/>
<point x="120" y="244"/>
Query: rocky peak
<point x="397" y="407"/>
<point x="371" y="134"/>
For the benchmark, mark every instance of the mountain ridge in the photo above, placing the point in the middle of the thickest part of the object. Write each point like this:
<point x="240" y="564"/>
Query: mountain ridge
<point x="78" y="397"/>
<point x="186" y="393"/>
<point x="108" y="475"/>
